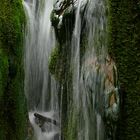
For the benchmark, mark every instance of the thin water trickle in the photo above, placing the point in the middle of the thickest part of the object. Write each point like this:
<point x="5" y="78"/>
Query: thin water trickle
<point x="75" y="58"/>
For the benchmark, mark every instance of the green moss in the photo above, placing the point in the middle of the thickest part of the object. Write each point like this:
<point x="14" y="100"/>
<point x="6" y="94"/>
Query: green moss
<point x="53" y="62"/>
<point x="59" y="63"/>
<point x="71" y="132"/>
<point x="3" y="71"/>
<point x="64" y="30"/>
<point x="54" y="19"/>
<point x="13" y="116"/>
<point x="59" y="66"/>
<point x="124" y="26"/>
<point x="3" y="84"/>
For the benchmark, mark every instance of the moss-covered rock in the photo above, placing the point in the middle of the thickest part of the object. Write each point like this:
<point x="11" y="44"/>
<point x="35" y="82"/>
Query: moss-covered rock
<point x="124" y="27"/>
<point x="63" y="19"/>
<point x="13" y="113"/>
<point x="59" y="66"/>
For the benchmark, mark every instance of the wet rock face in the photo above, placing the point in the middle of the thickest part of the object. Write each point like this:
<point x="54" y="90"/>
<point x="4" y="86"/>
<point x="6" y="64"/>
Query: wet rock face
<point x="105" y="75"/>
<point x="102" y="74"/>
<point x="63" y="18"/>
<point x="111" y="91"/>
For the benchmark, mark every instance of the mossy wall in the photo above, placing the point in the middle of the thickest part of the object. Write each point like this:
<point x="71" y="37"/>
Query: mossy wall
<point x="124" y="35"/>
<point x="13" y="113"/>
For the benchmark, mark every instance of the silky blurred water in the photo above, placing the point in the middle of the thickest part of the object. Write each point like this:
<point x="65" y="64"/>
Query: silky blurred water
<point x="88" y="74"/>
<point x="40" y="86"/>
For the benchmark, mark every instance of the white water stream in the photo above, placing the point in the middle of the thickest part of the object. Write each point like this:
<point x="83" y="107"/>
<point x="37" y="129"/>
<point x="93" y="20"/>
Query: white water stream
<point x="92" y="72"/>
<point x="40" y="87"/>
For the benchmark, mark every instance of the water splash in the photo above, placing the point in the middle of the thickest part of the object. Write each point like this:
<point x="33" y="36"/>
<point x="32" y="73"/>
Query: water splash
<point x="47" y="131"/>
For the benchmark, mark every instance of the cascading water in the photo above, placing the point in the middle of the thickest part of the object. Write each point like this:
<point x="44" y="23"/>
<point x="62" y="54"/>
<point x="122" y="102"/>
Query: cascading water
<point x="93" y="108"/>
<point x="40" y="86"/>
<point x="95" y="91"/>
<point x="92" y="72"/>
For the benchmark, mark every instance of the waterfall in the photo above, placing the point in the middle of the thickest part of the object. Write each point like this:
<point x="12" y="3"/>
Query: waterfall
<point x="94" y="74"/>
<point x="88" y="89"/>
<point x="40" y="86"/>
